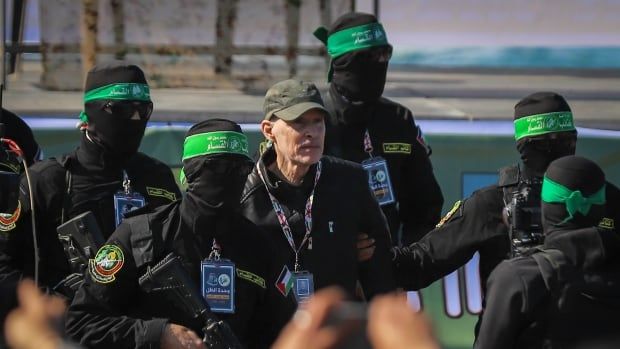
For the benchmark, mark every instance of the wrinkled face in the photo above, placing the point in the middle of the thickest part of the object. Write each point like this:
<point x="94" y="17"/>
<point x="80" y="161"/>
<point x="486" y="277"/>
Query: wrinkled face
<point x="299" y="141"/>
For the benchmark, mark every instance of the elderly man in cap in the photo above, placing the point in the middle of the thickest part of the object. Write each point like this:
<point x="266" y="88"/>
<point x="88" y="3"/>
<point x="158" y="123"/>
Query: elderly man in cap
<point x="312" y="207"/>
<point x="219" y="250"/>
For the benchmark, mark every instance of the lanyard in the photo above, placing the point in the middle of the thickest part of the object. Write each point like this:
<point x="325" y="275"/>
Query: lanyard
<point x="367" y="143"/>
<point x="288" y="233"/>
<point x="126" y="183"/>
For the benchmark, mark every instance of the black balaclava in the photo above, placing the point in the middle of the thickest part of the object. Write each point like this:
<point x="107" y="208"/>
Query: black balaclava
<point x="17" y="130"/>
<point x="536" y="154"/>
<point x="355" y="76"/>
<point x="117" y="135"/>
<point x="574" y="173"/>
<point x="215" y="180"/>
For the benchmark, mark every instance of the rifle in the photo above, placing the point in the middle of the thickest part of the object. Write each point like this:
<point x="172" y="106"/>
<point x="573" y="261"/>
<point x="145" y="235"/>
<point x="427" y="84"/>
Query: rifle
<point x="80" y="238"/>
<point x="169" y="277"/>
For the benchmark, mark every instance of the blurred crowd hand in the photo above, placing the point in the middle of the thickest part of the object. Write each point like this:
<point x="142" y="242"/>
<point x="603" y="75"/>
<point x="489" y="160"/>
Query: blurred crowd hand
<point x="307" y="329"/>
<point x="33" y="325"/>
<point x="365" y="247"/>
<point x="392" y="324"/>
<point x="177" y="336"/>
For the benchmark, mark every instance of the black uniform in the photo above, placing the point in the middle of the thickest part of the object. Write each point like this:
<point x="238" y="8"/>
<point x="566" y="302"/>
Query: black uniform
<point x="120" y="314"/>
<point x="343" y="207"/>
<point x="395" y="137"/>
<point x="473" y="225"/>
<point x="520" y="309"/>
<point x="92" y="178"/>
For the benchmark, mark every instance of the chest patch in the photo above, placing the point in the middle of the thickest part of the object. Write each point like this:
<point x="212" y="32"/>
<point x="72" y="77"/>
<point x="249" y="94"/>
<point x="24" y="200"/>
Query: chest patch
<point x="607" y="223"/>
<point x="162" y="193"/>
<point x="397" y="148"/>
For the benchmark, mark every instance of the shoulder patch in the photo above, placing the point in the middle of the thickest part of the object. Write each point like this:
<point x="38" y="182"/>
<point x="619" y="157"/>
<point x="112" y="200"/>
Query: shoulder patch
<point x="8" y="221"/>
<point x="251" y="277"/>
<point x="450" y="213"/>
<point x="607" y="223"/>
<point x="108" y="261"/>
<point x="397" y="148"/>
<point x="162" y="193"/>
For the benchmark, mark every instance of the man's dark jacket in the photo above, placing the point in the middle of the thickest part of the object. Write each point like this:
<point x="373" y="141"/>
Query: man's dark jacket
<point x="343" y="207"/>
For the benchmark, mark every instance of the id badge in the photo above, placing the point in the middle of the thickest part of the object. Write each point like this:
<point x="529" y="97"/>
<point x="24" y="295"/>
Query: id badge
<point x="217" y="279"/>
<point x="379" y="180"/>
<point x="124" y="203"/>
<point x="303" y="287"/>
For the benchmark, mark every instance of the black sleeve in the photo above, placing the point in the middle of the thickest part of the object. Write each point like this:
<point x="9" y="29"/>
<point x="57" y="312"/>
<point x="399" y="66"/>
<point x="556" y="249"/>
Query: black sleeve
<point x="470" y="225"/>
<point x="160" y="188"/>
<point x="376" y="274"/>
<point x="95" y="318"/>
<point x="506" y="311"/>
<point x="421" y="199"/>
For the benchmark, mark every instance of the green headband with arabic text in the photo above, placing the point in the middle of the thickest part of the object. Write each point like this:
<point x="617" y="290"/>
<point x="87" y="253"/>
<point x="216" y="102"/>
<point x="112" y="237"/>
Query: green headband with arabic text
<point x="121" y="91"/>
<point x="217" y="142"/>
<point x="539" y="124"/>
<point x="351" y="39"/>
<point x="553" y="192"/>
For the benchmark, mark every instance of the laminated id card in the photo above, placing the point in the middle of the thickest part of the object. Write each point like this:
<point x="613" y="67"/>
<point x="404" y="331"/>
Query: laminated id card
<point x="217" y="279"/>
<point x="124" y="203"/>
<point x="379" y="180"/>
<point x="303" y="286"/>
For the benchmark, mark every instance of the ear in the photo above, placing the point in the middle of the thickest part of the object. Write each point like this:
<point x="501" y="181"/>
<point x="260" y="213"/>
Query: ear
<point x="266" y="128"/>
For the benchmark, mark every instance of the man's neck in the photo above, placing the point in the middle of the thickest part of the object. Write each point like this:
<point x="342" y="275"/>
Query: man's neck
<point x="288" y="171"/>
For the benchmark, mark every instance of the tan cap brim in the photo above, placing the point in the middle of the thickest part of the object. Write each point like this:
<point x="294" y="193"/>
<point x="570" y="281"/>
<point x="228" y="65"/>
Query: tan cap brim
<point x="293" y="112"/>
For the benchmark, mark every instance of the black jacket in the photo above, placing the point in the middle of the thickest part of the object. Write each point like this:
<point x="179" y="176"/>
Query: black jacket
<point x="120" y="314"/>
<point x="522" y="312"/>
<point x="474" y="224"/>
<point x="94" y="181"/>
<point x="395" y="137"/>
<point x="343" y="207"/>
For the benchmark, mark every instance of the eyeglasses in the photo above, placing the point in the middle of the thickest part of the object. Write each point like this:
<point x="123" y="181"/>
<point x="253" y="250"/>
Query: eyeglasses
<point x="556" y="141"/>
<point x="129" y="109"/>
<point x="377" y="54"/>
<point x="227" y="166"/>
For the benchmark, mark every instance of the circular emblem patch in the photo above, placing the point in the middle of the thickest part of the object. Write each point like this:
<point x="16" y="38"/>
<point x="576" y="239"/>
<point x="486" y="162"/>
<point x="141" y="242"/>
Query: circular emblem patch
<point x="223" y="280"/>
<point x="380" y="176"/>
<point x="7" y="221"/>
<point x="108" y="261"/>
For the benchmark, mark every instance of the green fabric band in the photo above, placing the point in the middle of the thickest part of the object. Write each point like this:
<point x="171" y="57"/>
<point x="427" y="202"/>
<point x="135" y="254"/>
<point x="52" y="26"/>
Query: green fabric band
<point x="356" y="38"/>
<point x="124" y="91"/>
<point x="540" y="124"/>
<point x="553" y="192"/>
<point x="218" y="142"/>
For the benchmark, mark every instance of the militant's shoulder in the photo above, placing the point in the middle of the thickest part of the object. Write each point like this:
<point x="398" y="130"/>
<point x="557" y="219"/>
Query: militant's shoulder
<point x="394" y="111"/>
<point x="146" y="163"/>
<point x="338" y="164"/>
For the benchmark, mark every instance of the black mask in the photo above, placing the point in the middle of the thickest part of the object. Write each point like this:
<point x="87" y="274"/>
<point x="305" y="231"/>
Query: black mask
<point x="217" y="182"/>
<point x="537" y="154"/>
<point x="118" y="126"/>
<point x="360" y="75"/>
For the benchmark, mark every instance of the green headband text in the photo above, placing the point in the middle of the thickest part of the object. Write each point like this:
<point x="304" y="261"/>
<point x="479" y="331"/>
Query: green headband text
<point x="553" y="192"/>
<point x="125" y="91"/>
<point x="226" y="142"/>
<point x="356" y="38"/>
<point x="540" y="124"/>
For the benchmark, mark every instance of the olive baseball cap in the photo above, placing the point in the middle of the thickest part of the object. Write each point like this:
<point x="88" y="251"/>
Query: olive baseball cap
<point x="289" y="99"/>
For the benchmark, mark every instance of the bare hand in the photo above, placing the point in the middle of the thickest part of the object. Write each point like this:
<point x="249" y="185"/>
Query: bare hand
<point x="31" y="325"/>
<point x="392" y="324"/>
<point x="365" y="247"/>
<point x="177" y="336"/>
<point x="306" y="329"/>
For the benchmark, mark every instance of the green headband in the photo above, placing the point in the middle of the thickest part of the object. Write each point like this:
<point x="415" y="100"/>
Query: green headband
<point x="352" y="39"/>
<point x="217" y="142"/>
<point x="539" y="124"/>
<point x="122" y="91"/>
<point x="553" y="192"/>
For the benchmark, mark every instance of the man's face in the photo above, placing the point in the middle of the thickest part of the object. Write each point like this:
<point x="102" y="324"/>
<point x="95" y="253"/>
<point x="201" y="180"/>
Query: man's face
<point x="300" y="141"/>
<point x="539" y="151"/>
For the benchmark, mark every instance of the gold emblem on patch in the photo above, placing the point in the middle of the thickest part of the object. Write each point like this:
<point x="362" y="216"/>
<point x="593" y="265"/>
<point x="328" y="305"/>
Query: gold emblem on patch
<point x="607" y="223"/>
<point x="449" y="214"/>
